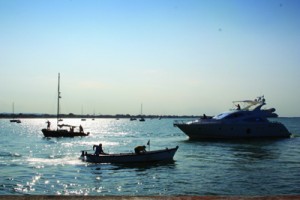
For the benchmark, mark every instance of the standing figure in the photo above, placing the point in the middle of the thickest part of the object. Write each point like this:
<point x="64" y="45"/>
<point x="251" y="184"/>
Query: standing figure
<point x="80" y="129"/>
<point x="48" y="124"/>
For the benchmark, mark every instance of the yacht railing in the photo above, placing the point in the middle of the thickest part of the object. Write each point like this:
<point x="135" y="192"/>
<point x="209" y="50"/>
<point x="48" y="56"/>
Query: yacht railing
<point x="182" y="121"/>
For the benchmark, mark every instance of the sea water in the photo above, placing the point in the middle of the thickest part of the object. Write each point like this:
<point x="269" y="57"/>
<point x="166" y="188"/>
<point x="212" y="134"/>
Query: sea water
<point x="33" y="164"/>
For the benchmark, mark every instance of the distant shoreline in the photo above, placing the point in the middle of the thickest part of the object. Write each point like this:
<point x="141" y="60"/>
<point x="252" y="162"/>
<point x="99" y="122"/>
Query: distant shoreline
<point x="71" y="115"/>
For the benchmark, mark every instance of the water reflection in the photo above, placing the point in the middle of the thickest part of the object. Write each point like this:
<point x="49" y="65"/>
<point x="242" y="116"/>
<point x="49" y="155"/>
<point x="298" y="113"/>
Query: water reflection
<point x="255" y="150"/>
<point x="130" y="166"/>
<point x="128" y="178"/>
<point x="146" y="166"/>
<point x="234" y="153"/>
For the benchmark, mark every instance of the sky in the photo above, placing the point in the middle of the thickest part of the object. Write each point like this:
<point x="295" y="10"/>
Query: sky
<point x="175" y="57"/>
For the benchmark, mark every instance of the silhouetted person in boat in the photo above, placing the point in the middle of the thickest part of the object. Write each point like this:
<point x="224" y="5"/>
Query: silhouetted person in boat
<point x="140" y="149"/>
<point x="99" y="149"/>
<point x="48" y="124"/>
<point x="80" y="129"/>
<point x="238" y="107"/>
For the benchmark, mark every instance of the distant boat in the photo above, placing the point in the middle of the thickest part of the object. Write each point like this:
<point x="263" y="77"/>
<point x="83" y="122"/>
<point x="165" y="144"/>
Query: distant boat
<point x="82" y="119"/>
<point x="93" y="116"/>
<point x="132" y="119"/>
<point x="142" y="119"/>
<point x="62" y="132"/>
<point x="163" y="155"/>
<point x="14" y="120"/>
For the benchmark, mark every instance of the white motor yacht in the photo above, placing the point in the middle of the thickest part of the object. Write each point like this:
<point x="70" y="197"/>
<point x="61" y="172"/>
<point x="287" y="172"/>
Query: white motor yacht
<point x="247" y="121"/>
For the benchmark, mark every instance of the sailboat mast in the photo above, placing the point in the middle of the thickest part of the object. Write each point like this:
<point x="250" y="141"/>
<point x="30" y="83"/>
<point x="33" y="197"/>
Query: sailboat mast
<point x="58" y="97"/>
<point x="13" y="107"/>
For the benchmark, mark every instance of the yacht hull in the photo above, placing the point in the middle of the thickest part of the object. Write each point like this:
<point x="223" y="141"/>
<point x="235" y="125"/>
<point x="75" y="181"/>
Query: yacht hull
<point x="233" y="131"/>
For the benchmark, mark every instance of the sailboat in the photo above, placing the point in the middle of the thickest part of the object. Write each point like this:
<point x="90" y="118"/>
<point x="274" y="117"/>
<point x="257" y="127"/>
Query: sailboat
<point x="14" y="120"/>
<point x="142" y="118"/>
<point x="59" y="132"/>
<point x="82" y="119"/>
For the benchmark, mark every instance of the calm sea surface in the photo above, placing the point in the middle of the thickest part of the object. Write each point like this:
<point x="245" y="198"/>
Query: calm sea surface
<point x="33" y="164"/>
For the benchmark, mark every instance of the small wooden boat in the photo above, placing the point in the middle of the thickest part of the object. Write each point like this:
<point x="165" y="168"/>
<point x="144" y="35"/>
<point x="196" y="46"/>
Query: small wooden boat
<point x="162" y="155"/>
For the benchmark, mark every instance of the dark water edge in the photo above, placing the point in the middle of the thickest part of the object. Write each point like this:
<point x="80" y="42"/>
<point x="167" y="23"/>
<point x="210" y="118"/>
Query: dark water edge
<point x="38" y="197"/>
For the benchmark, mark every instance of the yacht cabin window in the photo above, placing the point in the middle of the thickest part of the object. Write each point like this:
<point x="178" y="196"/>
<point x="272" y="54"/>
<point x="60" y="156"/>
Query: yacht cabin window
<point x="230" y="115"/>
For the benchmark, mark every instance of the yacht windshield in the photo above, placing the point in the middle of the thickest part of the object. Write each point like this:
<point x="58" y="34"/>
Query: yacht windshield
<point x="221" y="116"/>
<point x="229" y="115"/>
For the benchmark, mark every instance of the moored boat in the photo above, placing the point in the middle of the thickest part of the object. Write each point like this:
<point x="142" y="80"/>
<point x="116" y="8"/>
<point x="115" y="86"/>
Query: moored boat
<point x="142" y="119"/>
<point x="162" y="155"/>
<point x="249" y="121"/>
<point x="59" y="132"/>
<point x="14" y="120"/>
<point x="63" y="132"/>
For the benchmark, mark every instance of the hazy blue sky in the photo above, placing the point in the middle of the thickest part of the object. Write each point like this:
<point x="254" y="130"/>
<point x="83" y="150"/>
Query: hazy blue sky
<point x="174" y="56"/>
